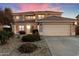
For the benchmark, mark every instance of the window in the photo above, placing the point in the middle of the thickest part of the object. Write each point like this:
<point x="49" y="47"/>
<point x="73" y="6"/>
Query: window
<point x="21" y="28"/>
<point x="30" y="17"/>
<point x="17" y="17"/>
<point x="33" y="17"/>
<point x="27" y="17"/>
<point x="41" y="16"/>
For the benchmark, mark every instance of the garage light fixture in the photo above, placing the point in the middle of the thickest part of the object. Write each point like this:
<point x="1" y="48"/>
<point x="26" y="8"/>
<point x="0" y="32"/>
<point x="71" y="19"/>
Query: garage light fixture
<point x="75" y="23"/>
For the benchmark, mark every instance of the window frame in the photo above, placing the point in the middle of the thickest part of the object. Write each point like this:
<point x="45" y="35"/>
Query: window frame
<point x="40" y="16"/>
<point x="21" y="27"/>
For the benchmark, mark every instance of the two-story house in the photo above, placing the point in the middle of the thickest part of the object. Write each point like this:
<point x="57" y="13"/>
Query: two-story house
<point x="49" y="23"/>
<point x="25" y="21"/>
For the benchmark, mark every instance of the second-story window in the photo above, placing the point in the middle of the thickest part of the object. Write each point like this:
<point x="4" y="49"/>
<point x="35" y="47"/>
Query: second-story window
<point x="17" y="17"/>
<point x="41" y="16"/>
<point x="30" y="17"/>
<point x="33" y="17"/>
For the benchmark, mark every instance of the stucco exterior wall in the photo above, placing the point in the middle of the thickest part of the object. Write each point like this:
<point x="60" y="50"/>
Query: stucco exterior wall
<point x="15" y="27"/>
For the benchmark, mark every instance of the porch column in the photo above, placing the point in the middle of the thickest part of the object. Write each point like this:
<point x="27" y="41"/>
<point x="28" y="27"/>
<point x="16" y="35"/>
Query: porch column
<point x="14" y="29"/>
<point x="25" y="28"/>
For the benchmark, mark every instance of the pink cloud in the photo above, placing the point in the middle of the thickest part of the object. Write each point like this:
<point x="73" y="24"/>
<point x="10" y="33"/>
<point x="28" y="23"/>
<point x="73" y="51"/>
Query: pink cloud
<point x="37" y="7"/>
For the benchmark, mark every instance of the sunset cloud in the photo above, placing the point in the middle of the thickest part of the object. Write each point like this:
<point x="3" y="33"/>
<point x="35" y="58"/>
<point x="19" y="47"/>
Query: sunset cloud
<point x="68" y="9"/>
<point x="38" y="7"/>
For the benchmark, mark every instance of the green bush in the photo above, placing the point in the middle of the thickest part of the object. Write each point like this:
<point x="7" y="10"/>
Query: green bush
<point x="35" y="31"/>
<point x="31" y="38"/>
<point x="10" y="34"/>
<point x="27" y="48"/>
<point x="3" y="37"/>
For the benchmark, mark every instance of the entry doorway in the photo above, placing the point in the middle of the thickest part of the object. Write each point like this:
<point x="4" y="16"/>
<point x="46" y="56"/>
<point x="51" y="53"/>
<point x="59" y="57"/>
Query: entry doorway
<point x="28" y="28"/>
<point x="21" y="29"/>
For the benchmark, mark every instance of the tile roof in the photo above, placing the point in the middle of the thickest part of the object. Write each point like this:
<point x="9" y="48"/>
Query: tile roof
<point x="34" y="12"/>
<point x="56" y="19"/>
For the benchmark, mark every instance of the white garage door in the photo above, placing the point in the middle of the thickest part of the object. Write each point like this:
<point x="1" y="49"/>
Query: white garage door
<point x="56" y="30"/>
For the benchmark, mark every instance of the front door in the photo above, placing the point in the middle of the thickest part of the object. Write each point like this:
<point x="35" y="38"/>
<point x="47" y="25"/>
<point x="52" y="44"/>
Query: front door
<point x="28" y="30"/>
<point x="21" y="29"/>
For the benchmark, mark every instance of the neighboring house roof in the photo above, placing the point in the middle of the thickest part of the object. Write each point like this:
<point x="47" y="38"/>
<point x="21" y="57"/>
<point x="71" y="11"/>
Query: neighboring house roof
<point x="77" y="16"/>
<point x="56" y="19"/>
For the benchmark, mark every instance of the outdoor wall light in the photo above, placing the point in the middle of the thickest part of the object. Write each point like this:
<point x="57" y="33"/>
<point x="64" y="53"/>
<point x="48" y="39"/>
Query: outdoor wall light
<point x="75" y="23"/>
<point x="17" y="17"/>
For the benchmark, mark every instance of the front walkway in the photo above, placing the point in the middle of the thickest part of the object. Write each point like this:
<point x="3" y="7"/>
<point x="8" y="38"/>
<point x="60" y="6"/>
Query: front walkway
<point x="63" y="46"/>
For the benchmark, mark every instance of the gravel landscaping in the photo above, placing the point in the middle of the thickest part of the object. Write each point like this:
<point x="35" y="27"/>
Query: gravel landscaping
<point x="10" y="49"/>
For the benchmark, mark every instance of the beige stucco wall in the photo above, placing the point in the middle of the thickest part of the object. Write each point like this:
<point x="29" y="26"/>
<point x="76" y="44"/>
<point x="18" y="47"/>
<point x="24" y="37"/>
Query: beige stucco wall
<point x="15" y="27"/>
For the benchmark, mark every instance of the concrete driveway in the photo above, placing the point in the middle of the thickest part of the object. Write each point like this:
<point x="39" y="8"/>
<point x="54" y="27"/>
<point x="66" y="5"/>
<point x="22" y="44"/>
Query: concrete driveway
<point x="63" y="46"/>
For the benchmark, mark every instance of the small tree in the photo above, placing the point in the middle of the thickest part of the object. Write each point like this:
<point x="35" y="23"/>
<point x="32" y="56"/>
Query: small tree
<point x="8" y="17"/>
<point x="1" y="16"/>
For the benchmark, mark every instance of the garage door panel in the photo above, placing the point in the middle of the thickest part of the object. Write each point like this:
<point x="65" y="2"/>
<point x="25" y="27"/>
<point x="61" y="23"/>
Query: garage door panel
<point x="56" y="30"/>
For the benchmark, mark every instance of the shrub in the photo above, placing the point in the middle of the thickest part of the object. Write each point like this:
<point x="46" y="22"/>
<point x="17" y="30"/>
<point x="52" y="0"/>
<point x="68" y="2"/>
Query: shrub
<point x="27" y="38"/>
<point x="4" y="36"/>
<point x="35" y="31"/>
<point x="22" y="32"/>
<point x="10" y="34"/>
<point x="27" y="48"/>
<point x="31" y="38"/>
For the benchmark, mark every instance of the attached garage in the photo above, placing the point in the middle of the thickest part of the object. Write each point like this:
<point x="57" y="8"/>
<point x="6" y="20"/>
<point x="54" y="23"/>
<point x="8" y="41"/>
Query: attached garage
<point x="56" y="30"/>
<point x="56" y="26"/>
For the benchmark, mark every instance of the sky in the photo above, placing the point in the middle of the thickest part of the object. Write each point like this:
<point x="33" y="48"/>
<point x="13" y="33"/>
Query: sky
<point x="70" y="10"/>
